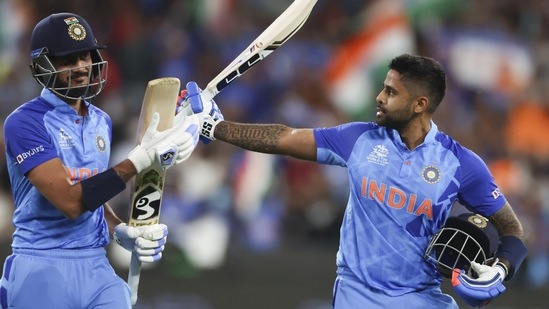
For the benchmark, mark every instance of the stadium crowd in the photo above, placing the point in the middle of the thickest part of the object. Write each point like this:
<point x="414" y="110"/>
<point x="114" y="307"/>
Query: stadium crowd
<point x="495" y="51"/>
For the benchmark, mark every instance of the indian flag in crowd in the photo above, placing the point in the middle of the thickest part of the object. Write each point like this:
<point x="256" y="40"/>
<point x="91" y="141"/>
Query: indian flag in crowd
<point x="356" y="71"/>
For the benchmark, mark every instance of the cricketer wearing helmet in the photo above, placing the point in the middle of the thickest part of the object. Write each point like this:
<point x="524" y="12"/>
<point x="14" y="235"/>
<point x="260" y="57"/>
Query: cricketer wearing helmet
<point x="58" y="149"/>
<point x="405" y="175"/>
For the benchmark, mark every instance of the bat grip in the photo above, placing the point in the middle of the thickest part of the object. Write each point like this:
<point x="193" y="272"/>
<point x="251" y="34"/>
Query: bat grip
<point x="133" y="276"/>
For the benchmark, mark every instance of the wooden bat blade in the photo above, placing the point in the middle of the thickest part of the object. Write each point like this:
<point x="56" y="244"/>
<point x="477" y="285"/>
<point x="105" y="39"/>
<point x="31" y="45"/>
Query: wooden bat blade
<point x="146" y="198"/>
<point x="160" y="95"/>
<point x="278" y="32"/>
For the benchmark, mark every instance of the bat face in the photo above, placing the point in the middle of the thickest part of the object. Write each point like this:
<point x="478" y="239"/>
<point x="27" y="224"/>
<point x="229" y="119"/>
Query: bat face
<point x="160" y="97"/>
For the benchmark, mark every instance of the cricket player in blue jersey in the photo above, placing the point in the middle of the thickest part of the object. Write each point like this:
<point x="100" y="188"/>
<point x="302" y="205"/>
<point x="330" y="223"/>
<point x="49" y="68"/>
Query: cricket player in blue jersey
<point x="58" y="147"/>
<point x="404" y="175"/>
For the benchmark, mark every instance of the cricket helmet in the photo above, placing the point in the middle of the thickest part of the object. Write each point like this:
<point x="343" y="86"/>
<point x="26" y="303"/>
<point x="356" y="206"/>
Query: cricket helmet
<point x="464" y="238"/>
<point x="60" y="35"/>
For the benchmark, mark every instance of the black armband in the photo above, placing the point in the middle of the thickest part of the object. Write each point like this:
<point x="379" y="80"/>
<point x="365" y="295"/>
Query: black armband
<point x="100" y="188"/>
<point x="513" y="250"/>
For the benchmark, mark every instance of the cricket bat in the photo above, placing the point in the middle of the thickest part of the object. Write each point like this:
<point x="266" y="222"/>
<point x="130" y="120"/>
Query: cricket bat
<point x="146" y="198"/>
<point x="276" y="34"/>
<point x="147" y="192"/>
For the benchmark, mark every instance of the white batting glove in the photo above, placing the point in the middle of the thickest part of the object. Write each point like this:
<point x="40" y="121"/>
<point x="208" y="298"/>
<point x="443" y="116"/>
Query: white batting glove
<point x="192" y="101"/>
<point x="147" y="242"/>
<point x="168" y="147"/>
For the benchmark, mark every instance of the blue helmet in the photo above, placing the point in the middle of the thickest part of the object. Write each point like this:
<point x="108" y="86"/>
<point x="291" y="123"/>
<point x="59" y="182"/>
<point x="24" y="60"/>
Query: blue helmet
<point x="464" y="238"/>
<point x="60" y="35"/>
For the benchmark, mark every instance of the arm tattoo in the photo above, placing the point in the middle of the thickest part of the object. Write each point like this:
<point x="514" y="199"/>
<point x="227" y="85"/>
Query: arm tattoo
<point x="123" y="174"/>
<point x="507" y="222"/>
<point x="255" y="137"/>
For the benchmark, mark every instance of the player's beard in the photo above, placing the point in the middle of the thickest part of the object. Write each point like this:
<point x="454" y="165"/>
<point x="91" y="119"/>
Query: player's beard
<point x="396" y="119"/>
<point x="78" y="91"/>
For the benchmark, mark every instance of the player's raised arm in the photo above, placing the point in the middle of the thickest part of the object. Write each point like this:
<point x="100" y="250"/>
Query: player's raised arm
<point x="265" y="138"/>
<point x="269" y="138"/>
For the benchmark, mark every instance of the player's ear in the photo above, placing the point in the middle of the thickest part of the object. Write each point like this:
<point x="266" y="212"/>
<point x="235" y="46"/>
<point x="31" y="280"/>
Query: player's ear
<point x="421" y="104"/>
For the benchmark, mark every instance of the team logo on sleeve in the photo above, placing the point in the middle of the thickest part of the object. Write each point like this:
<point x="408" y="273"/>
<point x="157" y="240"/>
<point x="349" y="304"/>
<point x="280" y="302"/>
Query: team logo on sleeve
<point x="431" y="174"/>
<point x="100" y="143"/>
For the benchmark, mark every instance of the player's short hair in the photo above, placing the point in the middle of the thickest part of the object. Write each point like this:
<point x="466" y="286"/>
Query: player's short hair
<point x="463" y="239"/>
<point x="423" y="72"/>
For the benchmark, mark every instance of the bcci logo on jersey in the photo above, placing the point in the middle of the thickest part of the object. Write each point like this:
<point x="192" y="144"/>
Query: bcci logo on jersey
<point x="100" y="143"/>
<point x="431" y="174"/>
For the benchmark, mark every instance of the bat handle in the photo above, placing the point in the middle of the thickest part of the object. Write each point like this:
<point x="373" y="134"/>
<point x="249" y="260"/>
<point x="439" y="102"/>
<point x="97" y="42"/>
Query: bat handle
<point x="133" y="276"/>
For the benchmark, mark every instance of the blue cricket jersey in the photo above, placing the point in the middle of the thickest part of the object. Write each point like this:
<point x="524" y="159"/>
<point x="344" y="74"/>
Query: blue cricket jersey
<point x="399" y="199"/>
<point x="38" y="131"/>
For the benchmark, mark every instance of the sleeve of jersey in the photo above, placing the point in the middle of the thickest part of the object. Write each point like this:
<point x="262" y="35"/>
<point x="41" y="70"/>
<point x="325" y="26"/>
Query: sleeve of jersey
<point x="109" y="123"/>
<point x="479" y="192"/>
<point x="335" y="144"/>
<point x="27" y="142"/>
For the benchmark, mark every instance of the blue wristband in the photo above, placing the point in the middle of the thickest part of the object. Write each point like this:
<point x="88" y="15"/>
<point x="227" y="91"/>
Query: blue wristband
<point x="100" y="188"/>
<point x="513" y="250"/>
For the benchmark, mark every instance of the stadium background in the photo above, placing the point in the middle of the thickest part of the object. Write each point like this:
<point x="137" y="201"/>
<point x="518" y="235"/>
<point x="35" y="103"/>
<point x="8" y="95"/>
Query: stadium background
<point x="258" y="231"/>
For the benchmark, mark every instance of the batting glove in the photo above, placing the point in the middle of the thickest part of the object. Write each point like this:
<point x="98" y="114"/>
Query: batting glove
<point x="147" y="242"/>
<point x="167" y="147"/>
<point x="192" y="101"/>
<point x="481" y="291"/>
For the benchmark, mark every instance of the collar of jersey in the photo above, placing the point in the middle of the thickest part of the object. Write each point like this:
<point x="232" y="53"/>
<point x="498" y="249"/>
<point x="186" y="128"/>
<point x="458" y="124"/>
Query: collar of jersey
<point x="56" y="102"/>
<point x="429" y="138"/>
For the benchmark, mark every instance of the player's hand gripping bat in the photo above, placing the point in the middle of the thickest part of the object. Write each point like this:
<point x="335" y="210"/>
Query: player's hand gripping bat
<point x="147" y="192"/>
<point x="148" y="185"/>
